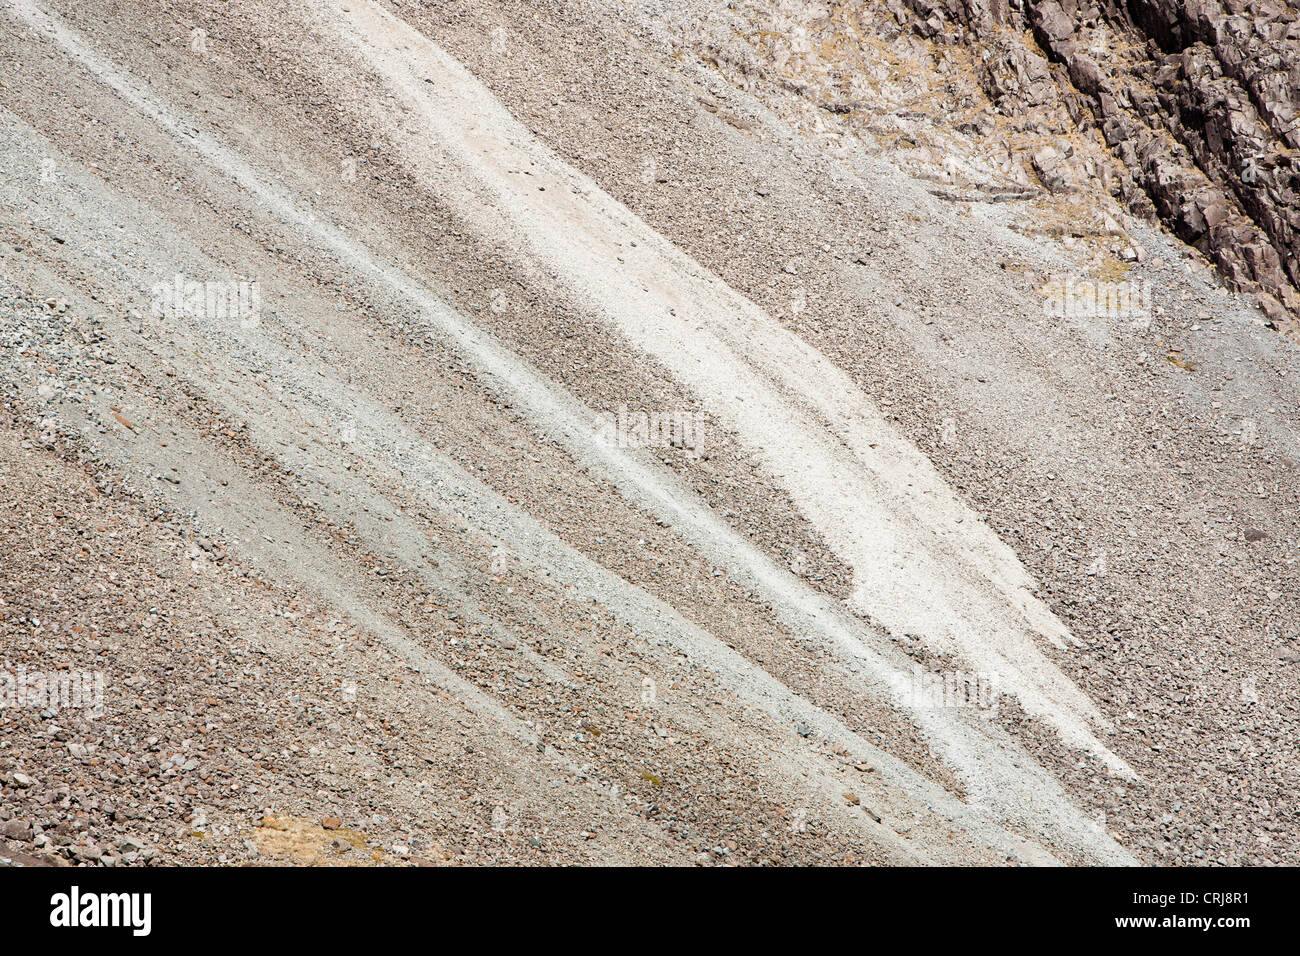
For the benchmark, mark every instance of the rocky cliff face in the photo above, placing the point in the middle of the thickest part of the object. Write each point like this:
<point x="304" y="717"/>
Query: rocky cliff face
<point x="1196" y="99"/>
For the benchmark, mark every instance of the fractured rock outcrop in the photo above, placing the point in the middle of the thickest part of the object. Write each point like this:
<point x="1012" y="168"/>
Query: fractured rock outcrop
<point x="1198" y="99"/>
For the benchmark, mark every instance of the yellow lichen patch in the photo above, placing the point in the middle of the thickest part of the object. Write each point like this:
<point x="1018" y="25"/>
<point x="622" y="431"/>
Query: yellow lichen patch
<point x="1112" y="269"/>
<point x="294" y="842"/>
